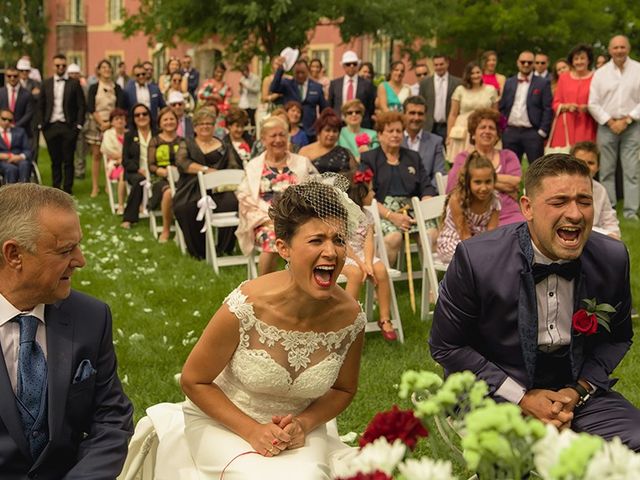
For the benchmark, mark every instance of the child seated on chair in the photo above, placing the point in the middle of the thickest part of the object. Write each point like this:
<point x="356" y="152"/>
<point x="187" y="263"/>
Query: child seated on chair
<point x="472" y="207"/>
<point x="604" y="216"/>
<point x="111" y="148"/>
<point x="361" y="263"/>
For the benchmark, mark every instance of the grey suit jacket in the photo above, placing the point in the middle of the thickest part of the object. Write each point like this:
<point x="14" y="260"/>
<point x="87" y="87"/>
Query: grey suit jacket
<point x="431" y="154"/>
<point x="90" y="421"/>
<point x="428" y="92"/>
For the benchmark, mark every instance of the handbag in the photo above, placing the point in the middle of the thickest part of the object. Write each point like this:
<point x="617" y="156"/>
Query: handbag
<point x="567" y="146"/>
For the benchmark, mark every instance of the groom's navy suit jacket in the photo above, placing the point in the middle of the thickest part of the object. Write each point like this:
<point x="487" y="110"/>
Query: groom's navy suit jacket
<point x="90" y="418"/>
<point x="486" y="316"/>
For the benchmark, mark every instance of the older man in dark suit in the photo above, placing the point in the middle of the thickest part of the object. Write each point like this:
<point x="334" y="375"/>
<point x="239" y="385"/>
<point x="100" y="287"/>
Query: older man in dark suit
<point x="142" y="89"/>
<point x="302" y="89"/>
<point x="15" y="150"/>
<point x="416" y="138"/>
<point x="509" y="307"/>
<point x="526" y="104"/>
<point x="352" y="86"/>
<point x="437" y="90"/>
<point x="62" y="108"/>
<point x="63" y="413"/>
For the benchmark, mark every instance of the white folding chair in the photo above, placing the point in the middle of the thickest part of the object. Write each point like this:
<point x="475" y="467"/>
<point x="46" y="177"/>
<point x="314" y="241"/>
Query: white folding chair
<point x="441" y="182"/>
<point x="214" y="221"/>
<point x="425" y="210"/>
<point x="173" y="177"/>
<point x="112" y="187"/>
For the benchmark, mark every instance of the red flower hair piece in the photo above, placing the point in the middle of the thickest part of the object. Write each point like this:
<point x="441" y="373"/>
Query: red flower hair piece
<point x="395" y="424"/>
<point x="363" y="177"/>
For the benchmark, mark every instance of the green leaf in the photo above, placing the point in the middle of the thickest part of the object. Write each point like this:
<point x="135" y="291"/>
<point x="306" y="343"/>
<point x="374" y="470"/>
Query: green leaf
<point x="604" y="323"/>
<point x="605" y="307"/>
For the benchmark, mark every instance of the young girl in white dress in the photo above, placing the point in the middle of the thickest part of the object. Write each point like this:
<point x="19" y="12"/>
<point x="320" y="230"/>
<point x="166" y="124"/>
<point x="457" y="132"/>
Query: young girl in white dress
<point x="281" y="357"/>
<point x="361" y="261"/>
<point x="472" y="207"/>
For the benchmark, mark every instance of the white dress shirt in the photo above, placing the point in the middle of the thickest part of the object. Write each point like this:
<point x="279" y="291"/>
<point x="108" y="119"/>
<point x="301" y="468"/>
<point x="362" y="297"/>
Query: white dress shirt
<point x="440" y="85"/>
<point x="249" y="96"/>
<point x="519" y="116"/>
<point x="10" y="335"/>
<point x="142" y="94"/>
<point x="415" y="143"/>
<point x="554" y="299"/>
<point x="605" y="220"/>
<point x="57" y="114"/>
<point x="345" y="86"/>
<point x="615" y="93"/>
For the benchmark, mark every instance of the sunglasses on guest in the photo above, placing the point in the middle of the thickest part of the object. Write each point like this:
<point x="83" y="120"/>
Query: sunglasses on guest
<point x="177" y="104"/>
<point x="60" y="65"/>
<point x="353" y="112"/>
<point x="8" y="75"/>
<point x="350" y="64"/>
<point x="141" y="114"/>
<point x="141" y="74"/>
<point x="420" y="75"/>
<point x="526" y="62"/>
<point x="5" y="119"/>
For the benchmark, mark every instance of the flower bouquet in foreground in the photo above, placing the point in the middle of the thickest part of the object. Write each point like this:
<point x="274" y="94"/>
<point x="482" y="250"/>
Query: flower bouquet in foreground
<point x="493" y="440"/>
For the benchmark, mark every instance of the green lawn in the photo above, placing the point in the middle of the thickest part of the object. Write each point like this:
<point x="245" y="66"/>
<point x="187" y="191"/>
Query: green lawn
<point x="161" y="301"/>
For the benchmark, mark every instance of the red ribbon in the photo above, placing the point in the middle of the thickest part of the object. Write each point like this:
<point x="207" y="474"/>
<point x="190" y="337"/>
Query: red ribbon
<point x="363" y="177"/>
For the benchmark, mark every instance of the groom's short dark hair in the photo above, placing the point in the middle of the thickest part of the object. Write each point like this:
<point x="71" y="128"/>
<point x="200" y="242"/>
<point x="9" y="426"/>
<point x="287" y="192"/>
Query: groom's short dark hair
<point x="552" y="165"/>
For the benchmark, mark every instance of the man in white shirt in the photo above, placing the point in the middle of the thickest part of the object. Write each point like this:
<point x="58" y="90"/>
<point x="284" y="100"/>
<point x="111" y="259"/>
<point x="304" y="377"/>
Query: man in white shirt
<point x="511" y="317"/>
<point x="352" y="86"/>
<point x="437" y="90"/>
<point x="249" y="93"/>
<point x="421" y="71"/>
<point x="541" y="65"/>
<point x="605" y="219"/>
<point x="614" y="103"/>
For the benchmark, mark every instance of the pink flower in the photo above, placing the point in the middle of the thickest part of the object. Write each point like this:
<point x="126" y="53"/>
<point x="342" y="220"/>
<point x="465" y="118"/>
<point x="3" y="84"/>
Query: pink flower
<point x="245" y="146"/>
<point x="362" y="140"/>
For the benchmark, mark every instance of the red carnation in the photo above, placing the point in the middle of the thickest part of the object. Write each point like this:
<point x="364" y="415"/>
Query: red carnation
<point x="377" y="475"/>
<point x="584" y="322"/>
<point x="395" y="424"/>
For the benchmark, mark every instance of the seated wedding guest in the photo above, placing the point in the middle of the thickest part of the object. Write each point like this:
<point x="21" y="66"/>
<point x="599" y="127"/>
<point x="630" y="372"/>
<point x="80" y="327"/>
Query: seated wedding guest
<point x="605" y="219"/>
<point x="111" y="148"/>
<point x="273" y="395"/>
<point x="398" y="175"/>
<point x="484" y="136"/>
<point x="554" y="367"/>
<point x="135" y="161"/>
<point x="238" y="142"/>
<point x="205" y="153"/>
<point x="185" y="123"/>
<point x="165" y="149"/>
<point x="267" y="175"/>
<point x="258" y="146"/>
<point x="15" y="150"/>
<point x="353" y="136"/>
<point x="64" y="414"/>
<point x="297" y="137"/>
<point x="325" y="153"/>
<point x="471" y="208"/>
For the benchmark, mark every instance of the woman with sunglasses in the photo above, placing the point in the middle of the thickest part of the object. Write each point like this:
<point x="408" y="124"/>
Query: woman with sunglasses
<point x="176" y="83"/>
<point x="353" y="136"/>
<point x="165" y="81"/>
<point x="103" y="97"/>
<point x="135" y="161"/>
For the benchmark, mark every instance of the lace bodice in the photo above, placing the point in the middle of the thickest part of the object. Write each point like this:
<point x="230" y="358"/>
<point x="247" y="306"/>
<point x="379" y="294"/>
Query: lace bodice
<point x="275" y="371"/>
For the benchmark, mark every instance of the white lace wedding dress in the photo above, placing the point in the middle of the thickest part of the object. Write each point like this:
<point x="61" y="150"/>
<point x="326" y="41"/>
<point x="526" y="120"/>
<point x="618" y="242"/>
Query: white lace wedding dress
<point x="272" y="372"/>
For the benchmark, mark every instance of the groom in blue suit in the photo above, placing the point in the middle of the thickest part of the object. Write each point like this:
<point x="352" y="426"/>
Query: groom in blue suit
<point x="526" y="104"/>
<point x="507" y="300"/>
<point x="302" y="89"/>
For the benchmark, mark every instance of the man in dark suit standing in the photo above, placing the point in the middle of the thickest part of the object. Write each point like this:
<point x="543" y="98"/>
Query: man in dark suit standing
<point x="15" y="150"/>
<point x="193" y="79"/>
<point x="17" y="99"/>
<point x="353" y="86"/>
<point x="509" y="302"/>
<point x="301" y="89"/>
<point x="33" y="87"/>
<point x="62" y="108"/>
<point x="437" y="90"/>
<point x="526" y="104"/>
<point x="63" y="413"/>
<point x="427" y="145"/>
<point x="142" y="90"/>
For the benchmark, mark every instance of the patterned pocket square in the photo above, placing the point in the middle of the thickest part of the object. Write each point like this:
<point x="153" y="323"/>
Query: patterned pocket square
<point x="84" y="371"/>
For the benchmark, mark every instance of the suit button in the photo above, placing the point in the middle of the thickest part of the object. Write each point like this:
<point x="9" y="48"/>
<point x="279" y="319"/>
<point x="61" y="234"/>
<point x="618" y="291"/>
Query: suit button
<point x="551" y="294"/>
<point x="35" y="433"/>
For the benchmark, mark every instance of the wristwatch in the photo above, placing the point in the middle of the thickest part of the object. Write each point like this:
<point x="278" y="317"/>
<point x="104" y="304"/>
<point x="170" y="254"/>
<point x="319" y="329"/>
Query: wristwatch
<point x="582" y="392"/>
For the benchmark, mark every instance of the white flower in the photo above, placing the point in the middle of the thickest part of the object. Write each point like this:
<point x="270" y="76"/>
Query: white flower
<point x="147" y="310"/>
<point x="614" y="461"/>
<point x="547" y="450"/>
<point x="85" y="283"/>
<point x="426" y="469"/>
<point x="136" y="337"/>
<point x="349" y="437"/>
<point x="196" y="313"/>
<point x="380" y="455"/>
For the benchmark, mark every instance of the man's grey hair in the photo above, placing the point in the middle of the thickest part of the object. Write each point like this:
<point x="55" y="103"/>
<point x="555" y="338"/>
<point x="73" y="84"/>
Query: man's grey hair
<point x="20" y="205"/>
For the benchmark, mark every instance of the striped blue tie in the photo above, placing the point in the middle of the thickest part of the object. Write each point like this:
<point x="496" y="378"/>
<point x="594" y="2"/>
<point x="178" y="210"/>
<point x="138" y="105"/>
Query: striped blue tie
<point x="31" y="395"/>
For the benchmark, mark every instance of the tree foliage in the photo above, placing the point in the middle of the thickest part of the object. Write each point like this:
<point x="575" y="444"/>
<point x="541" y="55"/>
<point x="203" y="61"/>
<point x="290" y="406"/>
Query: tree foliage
<point x="22" y="30"/>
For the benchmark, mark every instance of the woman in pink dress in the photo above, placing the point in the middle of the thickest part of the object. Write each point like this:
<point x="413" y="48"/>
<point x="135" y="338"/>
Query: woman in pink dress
<point x="571" y="99"/>
<point x="489" y="61"/>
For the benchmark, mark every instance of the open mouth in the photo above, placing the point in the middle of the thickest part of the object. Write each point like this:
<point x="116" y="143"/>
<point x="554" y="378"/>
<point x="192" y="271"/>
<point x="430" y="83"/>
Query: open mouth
<point x="323" y="275"/>
<point x="570" y="236"/>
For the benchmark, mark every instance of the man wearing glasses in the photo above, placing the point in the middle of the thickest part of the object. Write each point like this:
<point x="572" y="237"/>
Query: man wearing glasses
<point x="526" y="104"/>
<point x="352" y="86"/>
<point x="17" y="99"/>
<point x="541" y="63"/>
<point x="15" y="150"/>
<point x="144" y="91"/>
<point x="422" y="71"/>
<point x="185" y="125"/>
<point x="62" y="108"/>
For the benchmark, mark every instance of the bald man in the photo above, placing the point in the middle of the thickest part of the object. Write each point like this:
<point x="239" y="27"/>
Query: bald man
<point x="614" y="102"/>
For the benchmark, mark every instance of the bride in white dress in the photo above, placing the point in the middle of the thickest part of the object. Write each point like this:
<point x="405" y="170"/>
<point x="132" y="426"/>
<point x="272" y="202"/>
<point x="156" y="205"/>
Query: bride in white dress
<point x="281" y="357"/>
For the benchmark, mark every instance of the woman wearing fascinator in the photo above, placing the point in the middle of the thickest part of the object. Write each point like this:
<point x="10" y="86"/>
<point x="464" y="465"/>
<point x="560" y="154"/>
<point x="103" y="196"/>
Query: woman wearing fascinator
<point x="280" y="359"/>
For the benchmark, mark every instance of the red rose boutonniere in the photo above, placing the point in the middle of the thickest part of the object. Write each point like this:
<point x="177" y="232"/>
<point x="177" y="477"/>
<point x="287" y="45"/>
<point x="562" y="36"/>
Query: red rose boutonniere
<point x="536" y="91"/>
<point x="586" y="320"/>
